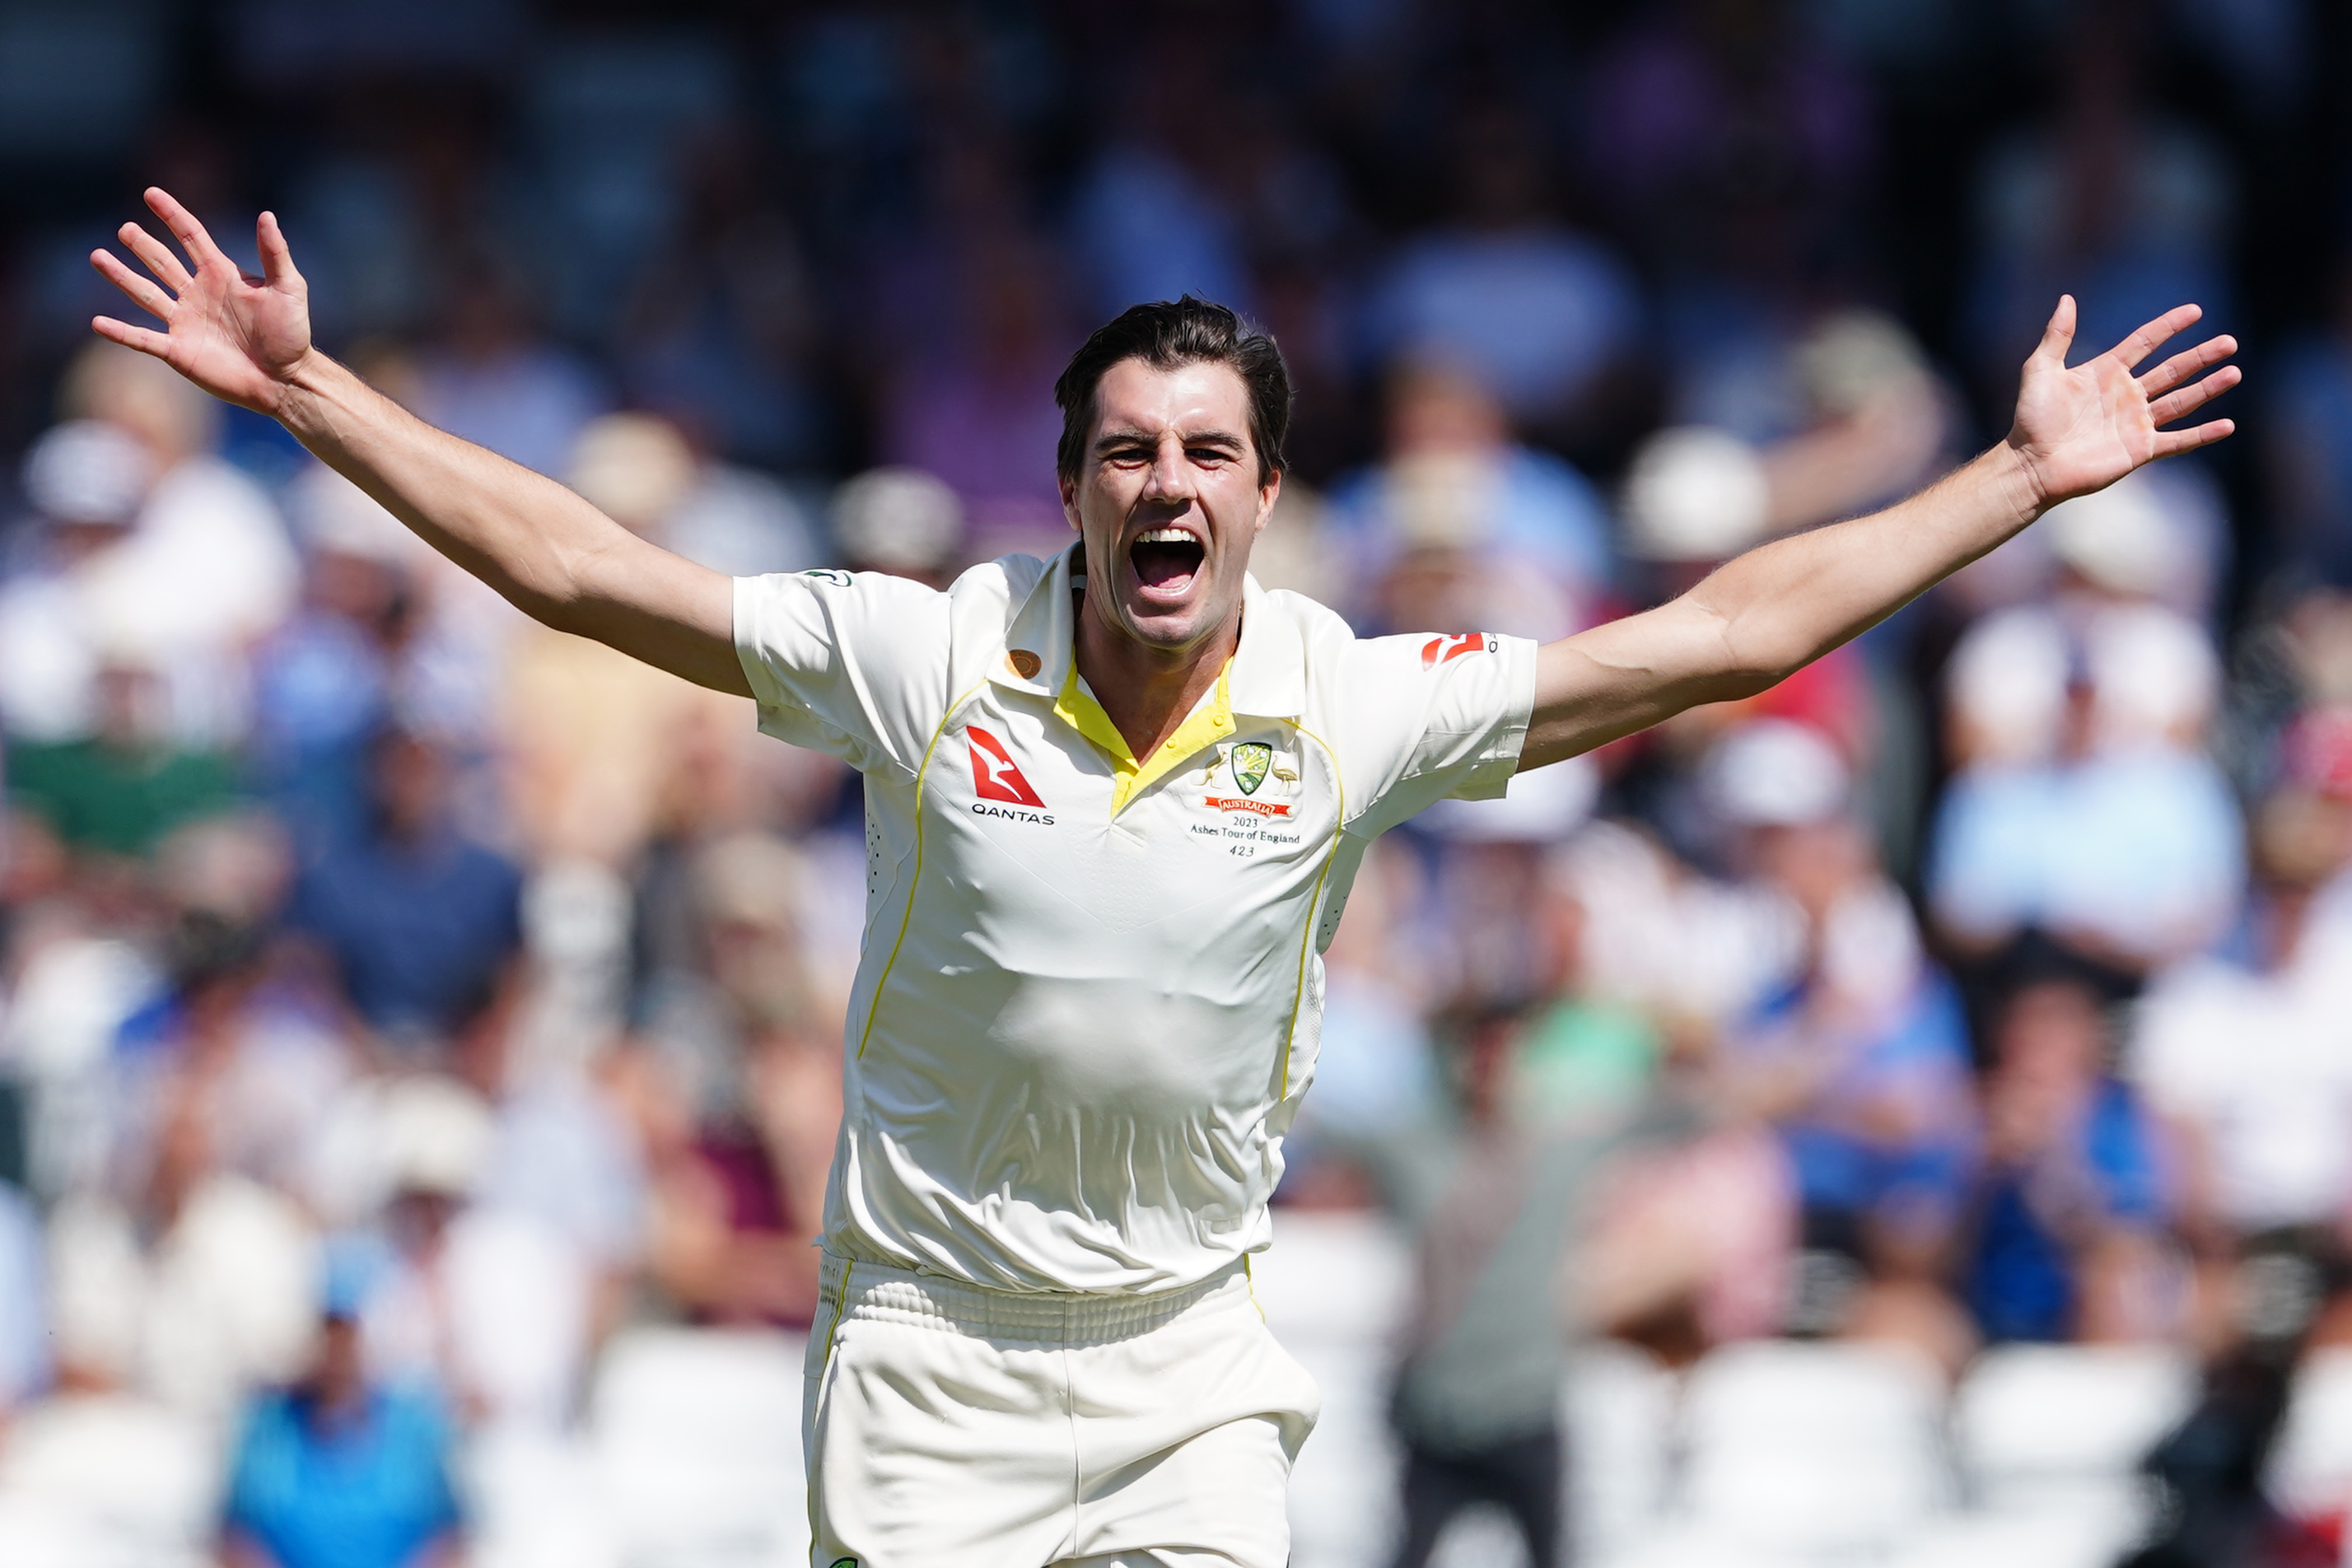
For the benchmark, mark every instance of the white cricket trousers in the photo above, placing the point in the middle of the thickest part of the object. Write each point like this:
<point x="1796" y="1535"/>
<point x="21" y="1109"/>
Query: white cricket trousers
<point x="948" y="1426"/>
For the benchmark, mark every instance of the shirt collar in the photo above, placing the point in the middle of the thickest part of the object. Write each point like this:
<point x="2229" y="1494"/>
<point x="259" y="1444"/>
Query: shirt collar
<point x="1267" y="676"/>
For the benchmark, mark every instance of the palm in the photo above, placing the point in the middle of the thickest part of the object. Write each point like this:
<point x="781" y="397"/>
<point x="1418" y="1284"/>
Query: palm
<point x="2080" y="428"/>
<point x="238" y="336"/>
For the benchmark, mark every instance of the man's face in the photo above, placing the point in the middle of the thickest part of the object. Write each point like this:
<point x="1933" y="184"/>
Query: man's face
<point x="1167" y="501"/>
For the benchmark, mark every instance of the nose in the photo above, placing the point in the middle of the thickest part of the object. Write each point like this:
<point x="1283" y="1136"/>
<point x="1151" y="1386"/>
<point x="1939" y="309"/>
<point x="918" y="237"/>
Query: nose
<point x="1170" y="480"/>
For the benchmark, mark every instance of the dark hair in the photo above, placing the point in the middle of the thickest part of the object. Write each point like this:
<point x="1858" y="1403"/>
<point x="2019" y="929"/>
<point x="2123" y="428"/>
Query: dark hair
<point x="1165" y="335"/>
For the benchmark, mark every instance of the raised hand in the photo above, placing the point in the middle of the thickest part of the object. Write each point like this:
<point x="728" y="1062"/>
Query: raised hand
<point x="239" y="337"/>
<point x="2081" y="428"/>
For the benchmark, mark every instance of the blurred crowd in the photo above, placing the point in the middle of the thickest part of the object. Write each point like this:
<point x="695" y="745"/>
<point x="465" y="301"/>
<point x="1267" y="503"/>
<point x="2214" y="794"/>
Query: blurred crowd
<point x="396" y="998"/>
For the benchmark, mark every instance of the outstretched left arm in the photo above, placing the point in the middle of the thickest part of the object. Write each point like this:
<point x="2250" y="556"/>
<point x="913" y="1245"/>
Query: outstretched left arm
<point x="1765" y="613"/>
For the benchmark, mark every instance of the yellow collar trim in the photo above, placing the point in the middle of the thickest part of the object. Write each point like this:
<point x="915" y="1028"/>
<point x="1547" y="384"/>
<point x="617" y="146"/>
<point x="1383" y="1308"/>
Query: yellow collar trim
<point x="1210" y="720"/>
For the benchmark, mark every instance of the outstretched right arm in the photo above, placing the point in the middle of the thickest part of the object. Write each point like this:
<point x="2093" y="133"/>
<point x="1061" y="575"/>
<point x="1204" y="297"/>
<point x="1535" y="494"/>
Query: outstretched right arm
<point x="248" y="340"/>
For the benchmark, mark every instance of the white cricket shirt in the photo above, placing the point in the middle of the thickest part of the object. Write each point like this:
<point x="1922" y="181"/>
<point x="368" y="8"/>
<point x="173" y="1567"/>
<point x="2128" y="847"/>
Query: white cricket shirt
<point x="1091" y="989"/>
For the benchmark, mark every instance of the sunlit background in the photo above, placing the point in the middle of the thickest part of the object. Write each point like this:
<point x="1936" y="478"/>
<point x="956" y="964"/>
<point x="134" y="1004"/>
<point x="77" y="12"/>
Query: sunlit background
<point x="1922" y="1096"/>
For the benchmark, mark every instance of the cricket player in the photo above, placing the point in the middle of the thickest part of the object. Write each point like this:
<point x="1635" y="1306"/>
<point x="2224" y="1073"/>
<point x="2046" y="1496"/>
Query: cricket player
<point x="1114" y="802"/>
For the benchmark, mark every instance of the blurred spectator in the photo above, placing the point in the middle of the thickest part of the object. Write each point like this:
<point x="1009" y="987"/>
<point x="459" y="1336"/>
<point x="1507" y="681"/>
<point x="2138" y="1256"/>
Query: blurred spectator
<point x="121" y="789"/>
<point x="2111" y="199"/>
<point x="588" y="735"/>
<point x="1479" y="920"/>
<point x="342" y="1469"/>
<point x="185" y="1279"/>
<point x="1642" y="929"/>
<point x="489" y="378"/>
<point x="205" y="568"/>
<point x="2077" y="1184"/>
<point x="2249" y="1051"/>
<point x="1691" y="1234"/>
<point x="431" y="638"/>
<point x="1592" y="1057"/>
<point x="2086" y="807"/>
<point x="332" y="676"/>
<point x="1856" y="420"/>
<point x="722" y="323"/>
<point x="482" y="1306"/>
<point x="418" y="919"/>
<point x="1870" y="422"/>
<point x="85" y="480"/>
<point x="1456" y="484"/>
<point x="642" y="472"/>
<point x="231" y="1048"/>
<point x="1859" y="1058"/>
<point x="1152" y="217"/>
<point x="1539" y="312"/>
<point x="1693" y="497"/>
<point x="738" y="1092"/>
<point x="1489" y="1194"/>
<point x="1375" y="1065"/>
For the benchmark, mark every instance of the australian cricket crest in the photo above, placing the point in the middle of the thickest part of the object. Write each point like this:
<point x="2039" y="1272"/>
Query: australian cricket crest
<point x="1250" y="762"/>
<point x="1260" y="781"/>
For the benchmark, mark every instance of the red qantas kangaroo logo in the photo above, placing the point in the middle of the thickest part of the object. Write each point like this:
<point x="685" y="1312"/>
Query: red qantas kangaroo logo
<point x="1437" y="650"/>
<point x="994" y="773"/>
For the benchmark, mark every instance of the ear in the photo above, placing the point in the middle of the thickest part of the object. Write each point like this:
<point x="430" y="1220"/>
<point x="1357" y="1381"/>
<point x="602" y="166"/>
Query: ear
<point x="1069" y="488"/>
<point x="1268" y="494"/>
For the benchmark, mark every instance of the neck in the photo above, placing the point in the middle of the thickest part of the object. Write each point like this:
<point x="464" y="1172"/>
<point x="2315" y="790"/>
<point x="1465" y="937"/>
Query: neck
<point x="1146" y="691"/>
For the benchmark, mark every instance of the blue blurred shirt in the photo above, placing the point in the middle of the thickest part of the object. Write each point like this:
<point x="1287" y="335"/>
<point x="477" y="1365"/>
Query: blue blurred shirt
<point x="2143" y="848"/>
<point x="2021" y="1279"/>
<point x="1918" y="1055"/>
<point x="372" y="1494"/>
<point x="420" y="932"/>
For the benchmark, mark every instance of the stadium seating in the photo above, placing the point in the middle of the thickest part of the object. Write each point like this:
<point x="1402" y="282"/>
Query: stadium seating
<point x="1332" y="1290"/>
<point x="1813" y="1447"/>
<point x="100" y="1479"/>
<point x="697" y="1448"/>
<point x="2049" y="1437"/>
<point x="1617" y="1415"/>
<point x="2311" y="1465"/>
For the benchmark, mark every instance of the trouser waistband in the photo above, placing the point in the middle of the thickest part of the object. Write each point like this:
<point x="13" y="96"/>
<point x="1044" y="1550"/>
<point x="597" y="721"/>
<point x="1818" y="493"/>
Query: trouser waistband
<point x="878" y="1292"/>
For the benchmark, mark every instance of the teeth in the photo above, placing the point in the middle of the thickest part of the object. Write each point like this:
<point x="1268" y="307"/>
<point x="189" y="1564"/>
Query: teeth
<point x="1164" y="536"/>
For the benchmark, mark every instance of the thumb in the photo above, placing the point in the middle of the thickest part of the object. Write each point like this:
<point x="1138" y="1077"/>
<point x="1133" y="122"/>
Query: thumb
<point x="2058" y="335"/>
<point x="277" y="256"/>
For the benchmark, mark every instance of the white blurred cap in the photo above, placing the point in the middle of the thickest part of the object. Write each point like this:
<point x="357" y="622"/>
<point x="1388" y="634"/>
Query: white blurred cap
<point x="2122" y="538"/>
<point x="1773" y="772"/>
<point x="330" y="513"/>
<point x="1694" y="494"/>
<point x="636" y="469"/>
<point x="1541" y="805"/>
<point x="1851" y="357"/>
<point x="897" y="519"/>
<point x="86" y="470"/>
<point x="434" y="1135"/>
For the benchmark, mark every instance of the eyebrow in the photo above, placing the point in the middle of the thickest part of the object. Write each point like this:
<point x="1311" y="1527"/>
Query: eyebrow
<point x="1123" y="435"/>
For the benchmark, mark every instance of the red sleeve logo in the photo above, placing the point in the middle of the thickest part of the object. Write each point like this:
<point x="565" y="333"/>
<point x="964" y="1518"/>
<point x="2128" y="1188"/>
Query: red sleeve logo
<point x="1441" y="649"/>
<point x="993" y="775"/>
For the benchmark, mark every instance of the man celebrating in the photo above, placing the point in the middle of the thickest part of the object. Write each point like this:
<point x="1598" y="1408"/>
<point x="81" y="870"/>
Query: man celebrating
<point x="1114" y="802"/>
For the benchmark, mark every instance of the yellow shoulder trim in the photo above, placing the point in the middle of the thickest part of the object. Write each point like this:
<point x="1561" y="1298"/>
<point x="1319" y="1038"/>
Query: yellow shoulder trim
<point x="1315" y="904"/>
<point x="907" y="913"/>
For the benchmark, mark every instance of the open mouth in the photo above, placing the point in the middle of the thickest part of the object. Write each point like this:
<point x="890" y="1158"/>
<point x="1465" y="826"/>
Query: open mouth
<point x="1166" y="560"/>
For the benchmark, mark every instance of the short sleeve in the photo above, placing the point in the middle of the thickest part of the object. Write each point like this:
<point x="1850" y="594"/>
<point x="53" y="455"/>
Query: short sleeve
<point x="1424" y="718"/>
<point x="851" y="664"/>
